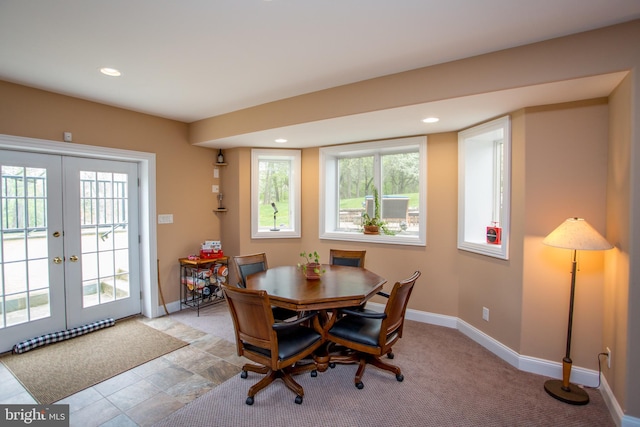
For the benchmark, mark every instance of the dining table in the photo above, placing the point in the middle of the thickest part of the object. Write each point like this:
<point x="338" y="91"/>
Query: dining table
<point x="337" y="287"/>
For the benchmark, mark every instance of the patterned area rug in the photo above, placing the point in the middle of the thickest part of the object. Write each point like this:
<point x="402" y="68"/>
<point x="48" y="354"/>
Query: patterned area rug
<point x="58" y="370"/>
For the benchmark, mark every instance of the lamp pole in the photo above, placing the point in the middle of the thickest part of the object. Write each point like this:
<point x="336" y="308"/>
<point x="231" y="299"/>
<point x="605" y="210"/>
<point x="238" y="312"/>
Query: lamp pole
<point x="564" y="390"/>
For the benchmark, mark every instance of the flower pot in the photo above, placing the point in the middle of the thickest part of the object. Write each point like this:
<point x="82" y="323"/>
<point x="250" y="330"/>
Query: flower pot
<point x="371" y="229"/>
<point x="310" y="272"/>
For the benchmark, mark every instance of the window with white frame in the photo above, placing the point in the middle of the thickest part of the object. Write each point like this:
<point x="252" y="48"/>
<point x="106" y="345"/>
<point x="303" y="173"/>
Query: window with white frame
<point x="275" y="194"/>
<point x="396" y="169"/>
<point x="484" y="182"/>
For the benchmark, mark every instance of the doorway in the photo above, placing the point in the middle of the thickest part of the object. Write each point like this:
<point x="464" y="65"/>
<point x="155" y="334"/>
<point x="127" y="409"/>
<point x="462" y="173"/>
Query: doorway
<point x="69" y="251"/>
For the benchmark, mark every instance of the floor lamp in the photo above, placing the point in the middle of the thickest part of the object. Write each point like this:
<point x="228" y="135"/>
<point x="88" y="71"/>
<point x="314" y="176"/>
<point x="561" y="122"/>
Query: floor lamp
<point x="575" y="234"/>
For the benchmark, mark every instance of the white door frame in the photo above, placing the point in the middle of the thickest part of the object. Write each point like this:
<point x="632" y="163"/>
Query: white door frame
<point x="147" y="173"/>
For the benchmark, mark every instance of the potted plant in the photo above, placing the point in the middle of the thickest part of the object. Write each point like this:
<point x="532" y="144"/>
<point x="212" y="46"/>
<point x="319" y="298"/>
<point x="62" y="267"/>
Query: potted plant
<point x="311" y="267"/>
<point x="373" y="224"/>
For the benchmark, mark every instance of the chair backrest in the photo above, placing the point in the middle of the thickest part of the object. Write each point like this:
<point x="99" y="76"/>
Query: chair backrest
<point x="396" y="308"/>
<point x="249" y="264"/>
<point x="253" y="323"/>
<point x="347" y="257"/>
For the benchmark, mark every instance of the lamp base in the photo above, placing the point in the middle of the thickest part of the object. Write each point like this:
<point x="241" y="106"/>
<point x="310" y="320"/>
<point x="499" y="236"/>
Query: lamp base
<point x="575" y="395"/>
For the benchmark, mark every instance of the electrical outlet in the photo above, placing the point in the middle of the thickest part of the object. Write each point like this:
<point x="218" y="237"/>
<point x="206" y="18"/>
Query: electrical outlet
<point x="215" y="188"/>
<point x="608" y="357"/>
<point x="485" y="313"/>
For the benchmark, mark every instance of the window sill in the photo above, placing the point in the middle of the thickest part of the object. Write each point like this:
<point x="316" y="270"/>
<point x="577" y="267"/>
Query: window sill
<point x="495" y="251"/>
<point x="398" y="239"/>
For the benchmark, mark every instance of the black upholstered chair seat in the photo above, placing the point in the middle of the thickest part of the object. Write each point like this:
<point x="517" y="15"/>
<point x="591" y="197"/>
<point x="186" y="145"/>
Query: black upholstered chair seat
<point x="290" y="342"/>
<point x="363" y="330"/>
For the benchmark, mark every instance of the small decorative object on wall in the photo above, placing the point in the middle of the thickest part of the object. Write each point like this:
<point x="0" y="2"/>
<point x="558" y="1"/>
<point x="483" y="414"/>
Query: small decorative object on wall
<point x="220" y="156"/>
<point x="311" y="267"/>
<point x="494" y="234"/>
<point x="220" y="206"/>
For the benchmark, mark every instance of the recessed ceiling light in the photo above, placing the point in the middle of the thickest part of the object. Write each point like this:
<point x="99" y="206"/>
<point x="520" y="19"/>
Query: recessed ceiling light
<point x="431" y="120"/>
<point x="110" y="72"/>
<point x="281" y="140"/>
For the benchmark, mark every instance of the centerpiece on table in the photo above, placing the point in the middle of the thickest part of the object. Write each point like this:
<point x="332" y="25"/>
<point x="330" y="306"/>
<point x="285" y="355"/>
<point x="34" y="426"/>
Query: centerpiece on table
<point x="311" y="267"/>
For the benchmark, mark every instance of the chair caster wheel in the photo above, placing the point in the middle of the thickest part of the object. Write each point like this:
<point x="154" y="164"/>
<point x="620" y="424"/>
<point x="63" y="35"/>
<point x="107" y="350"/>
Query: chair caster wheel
<point x="244" y="374"/>
<point x="249" y="401"/>
<point x="332" y="365"/>
<point x="391" y="355"/>
<point x="359" y="385"/>
<point x="314" y="373"/>
<point x="400" y="377"/>
<point x="298" y="400"/>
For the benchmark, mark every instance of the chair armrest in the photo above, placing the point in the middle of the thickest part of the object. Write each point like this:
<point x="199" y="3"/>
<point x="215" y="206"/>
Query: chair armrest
<point x="382" y="294"/>
<point x="284" y="325"/>
<point x="368" y="314"/>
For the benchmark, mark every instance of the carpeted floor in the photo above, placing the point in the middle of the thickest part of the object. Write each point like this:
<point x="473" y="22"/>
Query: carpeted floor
<point x="449" y="381"/>
<point x="58" y="370"/>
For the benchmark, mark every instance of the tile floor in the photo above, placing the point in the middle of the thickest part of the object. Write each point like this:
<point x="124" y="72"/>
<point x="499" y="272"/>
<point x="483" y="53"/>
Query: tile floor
<point x="151" y="391"/>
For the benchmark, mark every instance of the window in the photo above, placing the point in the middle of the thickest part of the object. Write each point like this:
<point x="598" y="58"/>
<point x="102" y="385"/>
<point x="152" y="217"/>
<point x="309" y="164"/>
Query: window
<point x="275" y="194"/>
<point x="396" y="169"/>
<point x="484" y="180"/>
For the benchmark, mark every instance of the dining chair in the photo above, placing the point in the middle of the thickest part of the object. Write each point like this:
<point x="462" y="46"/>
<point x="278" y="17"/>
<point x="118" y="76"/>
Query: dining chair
<point x="276" y="347"/>
<point x="254" y="263"/>
<point x="369" y="335"/>
<point x="347" y="257"/>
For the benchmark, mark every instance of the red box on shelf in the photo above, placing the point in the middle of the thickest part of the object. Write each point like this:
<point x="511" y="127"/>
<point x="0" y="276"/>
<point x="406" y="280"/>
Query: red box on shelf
<point x="211" y="253"/>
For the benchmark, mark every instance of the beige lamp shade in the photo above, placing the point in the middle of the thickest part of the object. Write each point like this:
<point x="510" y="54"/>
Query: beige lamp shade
<point x="576" y="233"/>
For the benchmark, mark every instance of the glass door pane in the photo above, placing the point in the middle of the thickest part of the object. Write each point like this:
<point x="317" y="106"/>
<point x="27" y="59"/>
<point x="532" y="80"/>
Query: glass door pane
<point x="31" y="247"/>
<point x="101" y="239"/>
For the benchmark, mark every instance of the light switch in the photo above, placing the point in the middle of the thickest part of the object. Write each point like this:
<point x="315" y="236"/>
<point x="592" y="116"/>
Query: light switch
<point x="216" y="173"/>
<point x="165" y="219"/>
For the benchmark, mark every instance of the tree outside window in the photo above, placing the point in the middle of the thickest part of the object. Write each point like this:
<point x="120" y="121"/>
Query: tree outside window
<point x="351" y="173"/>
<point x="275" y="193"/>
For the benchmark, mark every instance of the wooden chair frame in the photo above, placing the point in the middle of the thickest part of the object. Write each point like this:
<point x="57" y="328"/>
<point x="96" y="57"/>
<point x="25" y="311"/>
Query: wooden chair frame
<point x="392" y="324"/>
<point x="257" y="339"/>
<point x="334" y="254"/>
<point x="281" y="314"/>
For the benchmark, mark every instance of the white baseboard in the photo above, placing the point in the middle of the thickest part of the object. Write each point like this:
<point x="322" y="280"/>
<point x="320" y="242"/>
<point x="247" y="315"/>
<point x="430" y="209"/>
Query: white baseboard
<point x="172" y="307"/>
<point x="587" y="377"/>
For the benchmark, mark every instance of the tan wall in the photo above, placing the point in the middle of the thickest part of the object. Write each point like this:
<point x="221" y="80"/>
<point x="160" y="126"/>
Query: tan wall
<point x="616" y="326"/>
<point x="566" y="169"/>
<point x="184" y="172"/>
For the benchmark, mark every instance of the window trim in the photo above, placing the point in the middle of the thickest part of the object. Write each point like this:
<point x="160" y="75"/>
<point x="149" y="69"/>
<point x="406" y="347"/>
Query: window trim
<point x="294" y="193"/>
<point x="497" y="251"/>
<point x="327" y="168"/>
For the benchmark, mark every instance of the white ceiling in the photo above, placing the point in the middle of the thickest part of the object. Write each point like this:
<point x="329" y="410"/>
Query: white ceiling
<point x="193" y="59"/>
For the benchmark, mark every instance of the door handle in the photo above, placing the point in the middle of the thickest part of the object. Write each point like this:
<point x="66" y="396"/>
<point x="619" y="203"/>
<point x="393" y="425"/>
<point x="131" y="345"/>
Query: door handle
<point x="57" y="260"/>
<point x="56" y="234"/>
<point x="73" y="258"/>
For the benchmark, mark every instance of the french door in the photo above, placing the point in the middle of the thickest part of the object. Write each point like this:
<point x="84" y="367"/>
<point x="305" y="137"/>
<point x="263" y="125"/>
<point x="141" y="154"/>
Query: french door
<point x="68" y="243"/>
